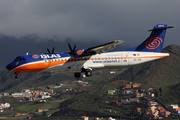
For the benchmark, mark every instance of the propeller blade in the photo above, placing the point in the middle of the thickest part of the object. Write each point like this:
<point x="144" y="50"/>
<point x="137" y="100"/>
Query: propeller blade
<point x="72" y="50"/>
<point x="48" y="51"/>
<point x="70" y="47"/>
<point x="53" y="50"/>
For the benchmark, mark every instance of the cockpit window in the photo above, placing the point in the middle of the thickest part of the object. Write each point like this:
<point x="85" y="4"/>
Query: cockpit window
<point x="19" y="59"/>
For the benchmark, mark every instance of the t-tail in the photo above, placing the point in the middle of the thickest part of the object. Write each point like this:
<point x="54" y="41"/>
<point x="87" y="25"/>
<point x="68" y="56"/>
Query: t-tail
<point x="154" y="43"/>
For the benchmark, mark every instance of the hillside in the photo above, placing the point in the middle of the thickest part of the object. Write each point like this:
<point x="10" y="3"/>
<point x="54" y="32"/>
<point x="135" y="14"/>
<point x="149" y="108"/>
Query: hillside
<point x="30" y="80"/>
<point x="170" y="95"/>
<point x="157" y="73"/>
<point x="33" y="80"/>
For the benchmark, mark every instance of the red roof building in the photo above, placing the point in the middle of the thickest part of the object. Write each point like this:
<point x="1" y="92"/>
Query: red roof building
<point x="115" y="103"/>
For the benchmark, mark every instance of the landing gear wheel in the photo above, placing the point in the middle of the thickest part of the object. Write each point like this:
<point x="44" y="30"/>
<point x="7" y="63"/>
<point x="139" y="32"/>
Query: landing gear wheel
<point x="17" y="76"/>
<point x="77" y="75"/>
<point x="88" y="73"/>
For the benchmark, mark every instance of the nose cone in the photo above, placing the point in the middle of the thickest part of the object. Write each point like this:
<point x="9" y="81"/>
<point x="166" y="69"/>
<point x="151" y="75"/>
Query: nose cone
<point x="9" y="67"/>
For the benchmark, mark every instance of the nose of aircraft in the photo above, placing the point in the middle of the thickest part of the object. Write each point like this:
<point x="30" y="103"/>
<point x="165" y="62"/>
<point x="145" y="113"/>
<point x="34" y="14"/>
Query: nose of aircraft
<point x="9" y="67"/>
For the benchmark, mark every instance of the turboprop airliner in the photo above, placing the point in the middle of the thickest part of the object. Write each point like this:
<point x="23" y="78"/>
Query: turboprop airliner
<point x="95" y="58"/>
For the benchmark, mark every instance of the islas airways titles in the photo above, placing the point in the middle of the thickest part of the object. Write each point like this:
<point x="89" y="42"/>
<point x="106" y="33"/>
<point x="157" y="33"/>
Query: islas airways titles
<point x="93" y="58"/>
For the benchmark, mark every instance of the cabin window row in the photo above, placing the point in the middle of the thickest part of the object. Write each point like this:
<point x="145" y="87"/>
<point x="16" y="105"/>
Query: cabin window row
<point x="81" y="59"/>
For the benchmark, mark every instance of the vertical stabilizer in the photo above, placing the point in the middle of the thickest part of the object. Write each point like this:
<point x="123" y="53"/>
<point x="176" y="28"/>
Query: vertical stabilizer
<point x="154" y="43"/>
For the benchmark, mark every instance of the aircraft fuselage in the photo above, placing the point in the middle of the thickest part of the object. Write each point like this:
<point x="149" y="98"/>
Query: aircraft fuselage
<point x="62" y="62"/>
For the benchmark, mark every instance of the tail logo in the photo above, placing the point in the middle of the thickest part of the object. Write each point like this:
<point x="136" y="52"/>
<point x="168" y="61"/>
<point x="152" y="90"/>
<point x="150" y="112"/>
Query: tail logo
<point x="153" y="43"/>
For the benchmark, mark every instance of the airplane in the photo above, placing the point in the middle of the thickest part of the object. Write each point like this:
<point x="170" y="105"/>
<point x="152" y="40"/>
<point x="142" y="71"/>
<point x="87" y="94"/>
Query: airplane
<point x="93" y="58"/>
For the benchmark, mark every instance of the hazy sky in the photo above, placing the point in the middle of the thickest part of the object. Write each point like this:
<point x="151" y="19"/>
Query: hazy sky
<point x="86" y="20"/>
<point x="103" y="20"/>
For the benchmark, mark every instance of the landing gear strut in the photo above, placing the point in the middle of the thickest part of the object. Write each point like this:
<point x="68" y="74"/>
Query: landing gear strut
<point x="17" y="76"/>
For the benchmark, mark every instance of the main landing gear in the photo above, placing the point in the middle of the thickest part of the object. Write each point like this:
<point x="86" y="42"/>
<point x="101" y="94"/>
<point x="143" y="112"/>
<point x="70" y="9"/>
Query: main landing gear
<point x="88" y="73"/>
<point x="77" y="75"/>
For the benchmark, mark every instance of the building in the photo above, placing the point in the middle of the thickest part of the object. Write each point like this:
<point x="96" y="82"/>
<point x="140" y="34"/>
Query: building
<point x="152" y="112"/>
<point x="39" y="110"/>
<point x="135" y="91"/>
<point x="139" y="95"/>
<point x="136" y="85"/>
<point x="84" y="118"/>
<point x="171" y="107"/>
<point x="133" y="100"/>
<point x="176" y="110"/>
<point x="137" y="111"/>
<point x="50" y="90"/>
<point x="111" y="92"/>
<point x="149" y="96"/>
<point x="115" y="103"/>
<point x="18" y="94"/>
<point x="125" y="101"/>
<point x="166" y="113"/>
<point x="127" y="86"/>
<point x="26" y="91"/>
<point x="57" y="86"/>
<point x="128" y="92"/>
<point x="45" y="96"/>
<point x="152" y="104"/>
<point x="161" y="112"/>
<point x="5" y="94"/>
<point x="110" y="118"/>
<point x="112" y="72"/>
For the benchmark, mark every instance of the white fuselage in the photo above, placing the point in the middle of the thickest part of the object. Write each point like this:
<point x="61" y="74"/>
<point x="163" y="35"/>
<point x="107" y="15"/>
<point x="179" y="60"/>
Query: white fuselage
<point x="109" y="60"/>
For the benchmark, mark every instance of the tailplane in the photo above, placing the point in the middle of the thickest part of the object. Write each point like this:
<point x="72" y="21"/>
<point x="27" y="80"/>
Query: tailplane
<point x="154" y="43"/>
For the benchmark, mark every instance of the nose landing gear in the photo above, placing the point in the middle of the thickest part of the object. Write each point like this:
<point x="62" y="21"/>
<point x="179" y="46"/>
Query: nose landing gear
<point x="17" y="75"/>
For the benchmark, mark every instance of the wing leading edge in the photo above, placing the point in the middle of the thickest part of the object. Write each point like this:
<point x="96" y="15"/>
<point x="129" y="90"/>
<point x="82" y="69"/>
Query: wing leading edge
<point x="103" y="48"/>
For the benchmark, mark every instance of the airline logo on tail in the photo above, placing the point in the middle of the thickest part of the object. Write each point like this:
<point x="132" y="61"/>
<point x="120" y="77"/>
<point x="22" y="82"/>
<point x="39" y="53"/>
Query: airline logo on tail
<point x="153" y="43"/>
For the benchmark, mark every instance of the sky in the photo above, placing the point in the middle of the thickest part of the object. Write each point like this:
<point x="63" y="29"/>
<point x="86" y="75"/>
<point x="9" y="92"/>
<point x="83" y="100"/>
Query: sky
<point x="48" y="23"/>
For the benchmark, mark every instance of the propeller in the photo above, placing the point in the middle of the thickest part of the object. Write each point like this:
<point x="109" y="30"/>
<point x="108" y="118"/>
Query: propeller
<point x="72" y="50"/>
<point x="49" y="52"/>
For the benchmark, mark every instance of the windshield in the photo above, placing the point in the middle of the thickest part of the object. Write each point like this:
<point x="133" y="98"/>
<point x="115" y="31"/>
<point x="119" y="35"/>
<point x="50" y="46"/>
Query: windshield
<point x="19" y="59"/>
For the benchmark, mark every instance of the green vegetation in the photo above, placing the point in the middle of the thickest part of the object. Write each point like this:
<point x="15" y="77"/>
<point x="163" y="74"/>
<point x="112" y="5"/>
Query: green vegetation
<point x="170" y="95"/>
<point x="33" y="107"/>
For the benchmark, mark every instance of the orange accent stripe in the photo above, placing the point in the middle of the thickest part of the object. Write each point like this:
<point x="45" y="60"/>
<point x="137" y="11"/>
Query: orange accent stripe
<point x="151" y="57"/>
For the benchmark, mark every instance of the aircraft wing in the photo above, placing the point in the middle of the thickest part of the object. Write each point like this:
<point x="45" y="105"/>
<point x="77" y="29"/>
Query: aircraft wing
<point x="103" y="48"/>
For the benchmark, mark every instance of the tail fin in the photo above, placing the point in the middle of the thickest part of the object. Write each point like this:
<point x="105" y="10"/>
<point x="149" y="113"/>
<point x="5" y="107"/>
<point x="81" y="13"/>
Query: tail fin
<point x="154" y="43"/>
